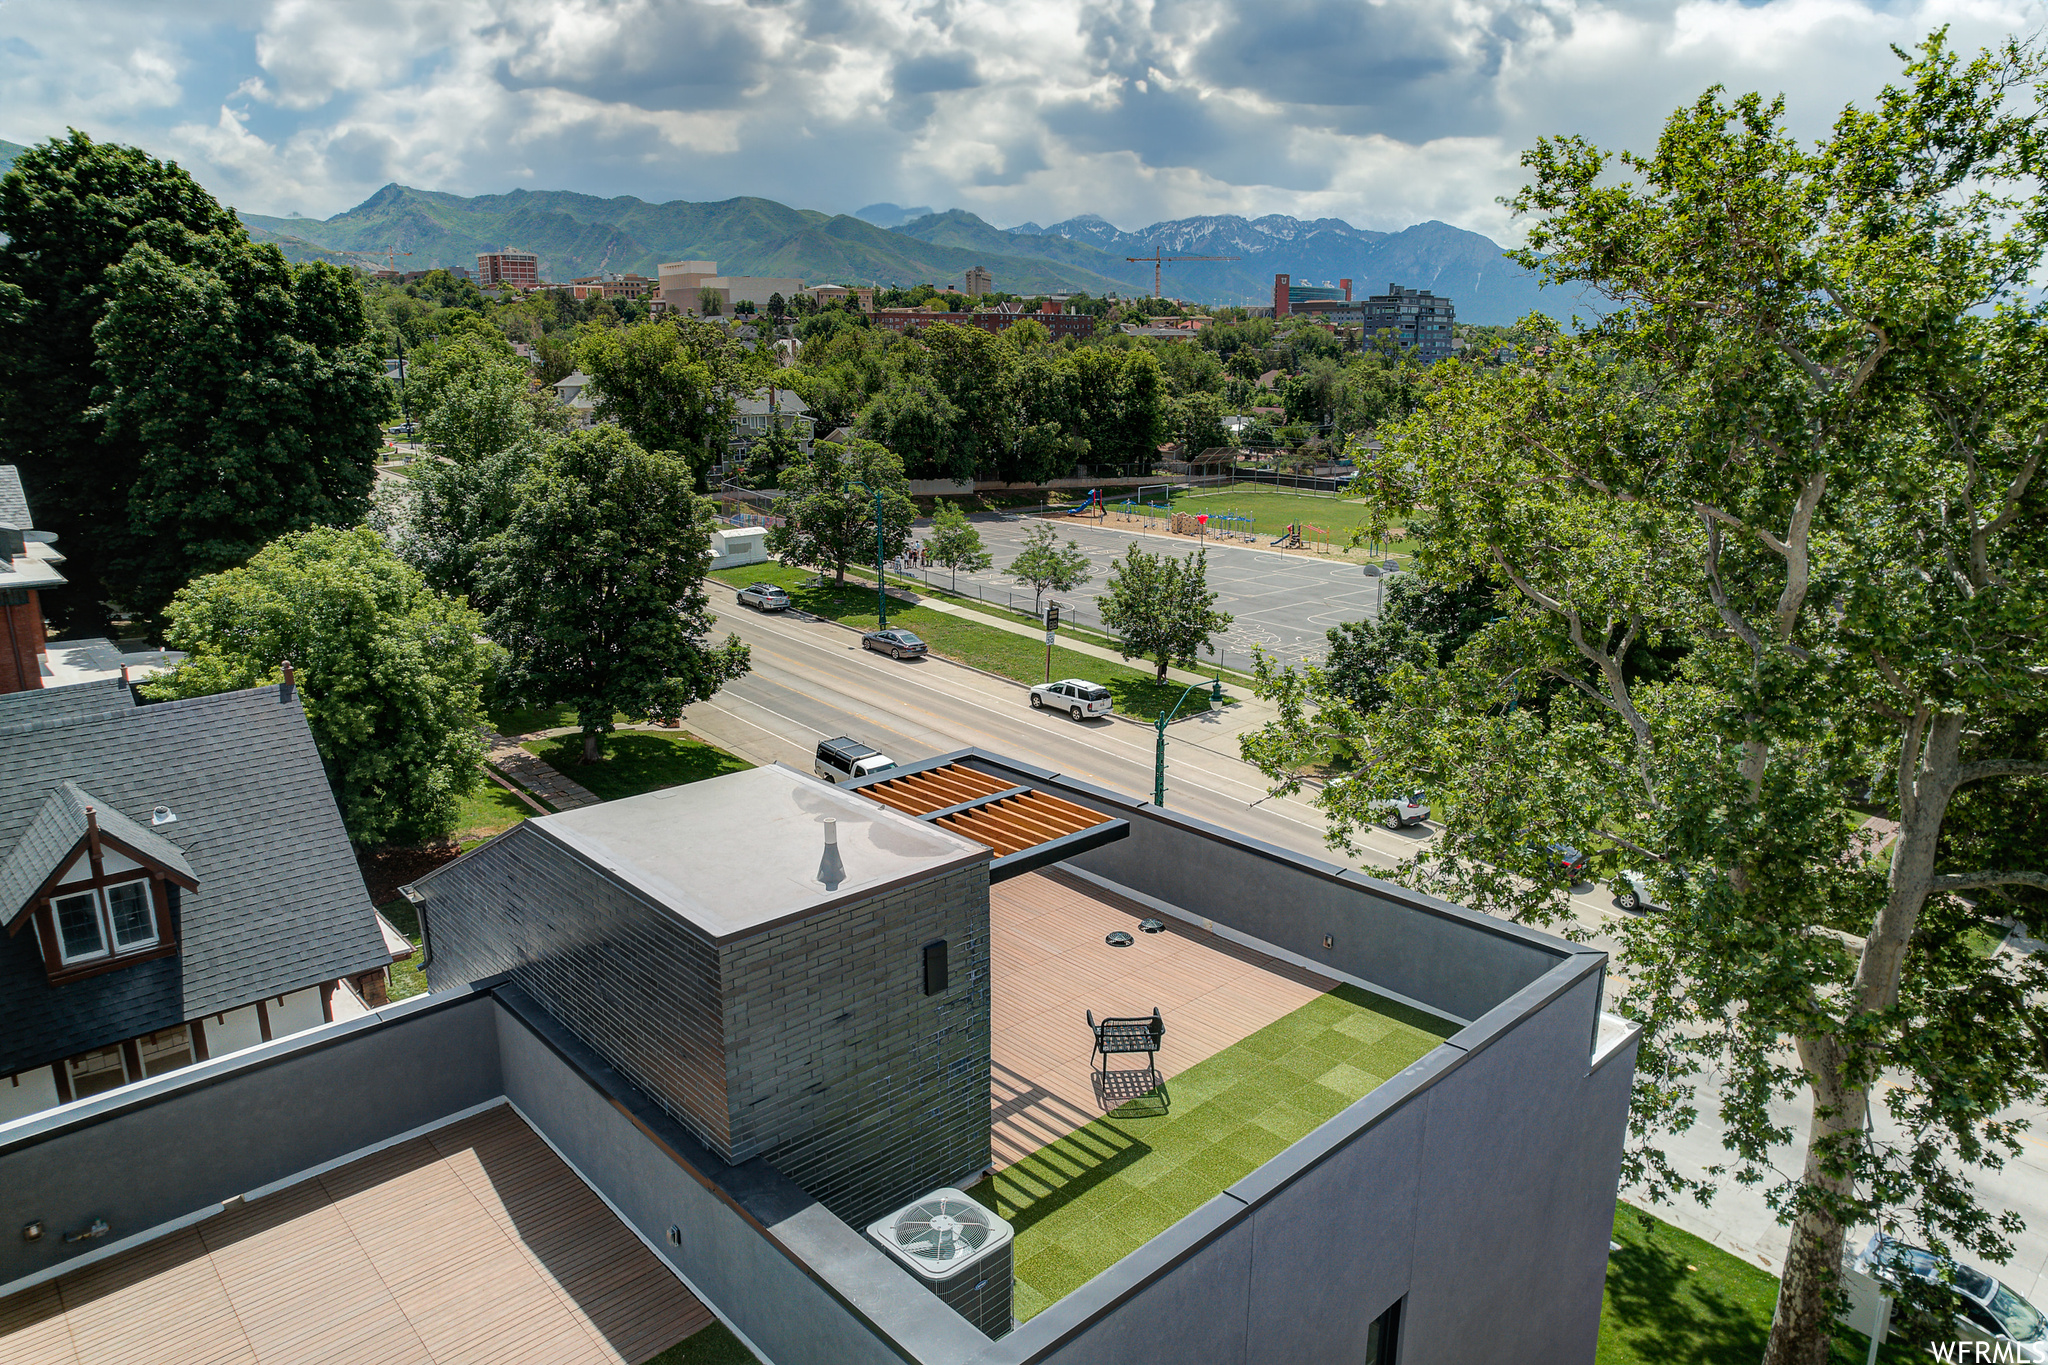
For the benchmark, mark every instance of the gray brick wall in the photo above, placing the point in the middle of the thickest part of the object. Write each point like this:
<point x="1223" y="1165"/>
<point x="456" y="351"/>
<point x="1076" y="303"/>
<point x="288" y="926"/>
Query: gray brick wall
<point x="812" y="1044"/>
<point x="843" y="1073"/>
<point x="630" y="978"/>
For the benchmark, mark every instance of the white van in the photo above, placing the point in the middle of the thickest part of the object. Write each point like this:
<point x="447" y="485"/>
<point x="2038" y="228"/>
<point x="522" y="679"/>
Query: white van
<point x="843" y="760"/>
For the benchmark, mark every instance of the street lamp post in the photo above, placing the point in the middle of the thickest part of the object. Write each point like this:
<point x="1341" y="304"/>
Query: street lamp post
<point x="1165" y="719"/>
<point x="881" y="586"/>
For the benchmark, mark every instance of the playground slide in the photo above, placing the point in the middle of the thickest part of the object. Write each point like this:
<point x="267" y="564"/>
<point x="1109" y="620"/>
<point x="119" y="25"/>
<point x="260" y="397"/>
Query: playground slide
<point x="1288" y="537"/>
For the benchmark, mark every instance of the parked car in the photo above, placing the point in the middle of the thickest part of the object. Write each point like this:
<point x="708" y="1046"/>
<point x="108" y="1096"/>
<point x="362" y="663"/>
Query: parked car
<point x="1565" y="860"/>
<point x="1990" y="1311"/>
<point x="843" y="759"/>
<point x="1079" y="698"/>
<point x="1399" y="812"/>
<point x="897" y="644"/>
<point x="403" y="428"/>
<point x="764" y="597"/>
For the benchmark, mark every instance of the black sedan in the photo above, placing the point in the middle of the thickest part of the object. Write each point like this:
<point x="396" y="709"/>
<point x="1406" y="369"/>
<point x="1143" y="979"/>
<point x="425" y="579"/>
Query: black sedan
<point x="897" y="644"/>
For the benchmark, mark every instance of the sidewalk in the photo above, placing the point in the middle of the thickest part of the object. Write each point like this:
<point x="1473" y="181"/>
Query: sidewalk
<point x="534" y="775"/>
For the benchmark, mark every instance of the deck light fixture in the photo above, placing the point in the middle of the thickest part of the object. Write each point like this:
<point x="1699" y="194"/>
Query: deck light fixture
<point x="1119" y="939"/>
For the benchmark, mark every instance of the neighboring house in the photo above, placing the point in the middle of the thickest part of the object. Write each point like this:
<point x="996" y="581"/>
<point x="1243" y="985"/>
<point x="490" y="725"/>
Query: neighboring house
<point x="575" y="394"/>
<point x="755" y="416"/>
<point x="756" y="1012"/>
<point x="29" y="659"/>
<point x="175" y="884"/>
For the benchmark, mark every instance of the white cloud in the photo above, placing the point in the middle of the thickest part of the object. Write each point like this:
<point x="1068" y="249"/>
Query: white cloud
<point x="1382" y="112"/>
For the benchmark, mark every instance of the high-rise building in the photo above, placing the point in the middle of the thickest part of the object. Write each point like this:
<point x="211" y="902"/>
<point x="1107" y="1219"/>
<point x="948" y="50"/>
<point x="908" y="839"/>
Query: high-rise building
<point x="507" y="269"/>
<point x="1414" y="317"/>
<point x="979" y="281"/>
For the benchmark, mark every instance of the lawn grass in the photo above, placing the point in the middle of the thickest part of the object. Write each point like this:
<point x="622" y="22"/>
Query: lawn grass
<point x="1272" y="510"/>
<point x="525" y="720"/>
<point x="1085" y="1202"/>
<point x="405" y="979"/>
<point x="638" y="761"/>
<point x="490" y="809"/>
<point x="713" y="1345"/>
<point x="1020" y="658"/>
<point x="1672" y="1296"/>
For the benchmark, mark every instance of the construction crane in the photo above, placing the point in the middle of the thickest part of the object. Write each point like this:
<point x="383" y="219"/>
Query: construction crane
<point x="1157" y="261"/>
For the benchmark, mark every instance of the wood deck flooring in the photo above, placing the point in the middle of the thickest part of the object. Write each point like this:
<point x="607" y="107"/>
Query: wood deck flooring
<point x="1049" y="964"/>
<point x="474" y="1243"/>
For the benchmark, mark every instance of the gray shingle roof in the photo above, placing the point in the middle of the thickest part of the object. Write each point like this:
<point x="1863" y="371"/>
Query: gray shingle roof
<point x="280" y="905"/>
<point x="13" y="502"/>
<point x="56" y="832"/>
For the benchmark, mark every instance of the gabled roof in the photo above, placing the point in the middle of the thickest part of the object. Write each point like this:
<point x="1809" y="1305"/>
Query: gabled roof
<point x="56" y="833"/>
<point x="13" y="502"/>
<point x="280" y="903"/>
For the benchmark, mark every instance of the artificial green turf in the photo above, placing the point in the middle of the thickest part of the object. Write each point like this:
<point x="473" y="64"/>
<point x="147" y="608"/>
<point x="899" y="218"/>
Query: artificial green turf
<point x="713" y="1345"/>
<point x="1671" y="1296"/>
<point x="638" y="761"/>
<point x="1020" y="658"/>
<point x="1085" y="1202"/>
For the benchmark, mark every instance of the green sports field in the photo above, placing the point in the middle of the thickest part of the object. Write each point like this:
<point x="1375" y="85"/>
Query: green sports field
<point x="1272" y="510"/>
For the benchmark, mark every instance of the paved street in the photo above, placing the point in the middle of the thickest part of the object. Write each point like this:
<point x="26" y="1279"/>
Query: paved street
<point x="811" y="680"/>
<point x="1285" y="602"/>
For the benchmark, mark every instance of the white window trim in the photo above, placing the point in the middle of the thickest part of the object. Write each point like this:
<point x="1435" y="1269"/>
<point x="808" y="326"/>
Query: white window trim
<point x="103" y="914"/>
<point x="99" y="915"/>
<point x="149" y="906"/>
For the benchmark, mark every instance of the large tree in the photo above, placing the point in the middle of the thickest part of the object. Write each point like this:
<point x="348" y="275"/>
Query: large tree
<point x="245" y="401"/>
<point x="1047" y="565"/>
<point x="1162" y="608"/>
<point x="1800" y="453"/>
<point x="70" y="210"/>
<point x="389" y="671"/>
<point x="672" y="385"/>
<point x="954" y="543"/>
<point x="597" y="586"/>
<point x="828" y="507"/>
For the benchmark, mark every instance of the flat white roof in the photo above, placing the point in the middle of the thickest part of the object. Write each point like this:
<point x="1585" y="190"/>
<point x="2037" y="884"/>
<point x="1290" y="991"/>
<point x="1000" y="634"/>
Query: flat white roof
<point x="739" y="853"/>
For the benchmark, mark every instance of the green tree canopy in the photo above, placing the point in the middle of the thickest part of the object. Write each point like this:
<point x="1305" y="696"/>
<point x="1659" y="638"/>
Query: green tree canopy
<point x="597" y="586"/>
<point x="1047" y="565"/>
<point x="1801" y="453"/>
<point x="829" y="519"/>
<point x="1162" y="608"/>
<point x="475" y="400"/>
<point x="389" y="670"/>
<point x="246" y="401"/>
<point x="70" y="210"/>
<point x="954" y="543"/>
<point x="672" y="385"/>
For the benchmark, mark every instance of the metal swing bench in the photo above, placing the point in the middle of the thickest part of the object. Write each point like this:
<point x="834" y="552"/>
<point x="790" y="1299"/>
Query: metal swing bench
<point x="1133" y="1036"/>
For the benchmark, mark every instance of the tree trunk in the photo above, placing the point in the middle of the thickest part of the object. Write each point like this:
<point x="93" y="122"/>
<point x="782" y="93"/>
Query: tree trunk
<point x="1162" y="671"/>
<point x="1929" y="752"/>
<point x="1803" y="1325"/>
<point x="593" y="746"/>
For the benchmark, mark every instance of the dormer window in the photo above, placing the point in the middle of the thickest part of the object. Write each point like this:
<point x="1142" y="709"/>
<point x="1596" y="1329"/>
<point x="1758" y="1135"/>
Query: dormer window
<point x="99" y="889"/>
<point x="94" y="924"/>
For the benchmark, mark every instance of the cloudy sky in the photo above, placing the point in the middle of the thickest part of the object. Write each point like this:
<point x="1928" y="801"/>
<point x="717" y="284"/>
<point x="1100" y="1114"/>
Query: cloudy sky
<point x="1382" y="112"/>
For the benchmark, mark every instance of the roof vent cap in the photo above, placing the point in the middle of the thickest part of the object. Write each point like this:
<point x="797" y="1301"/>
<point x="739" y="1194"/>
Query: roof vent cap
<point x="163" y="815"/>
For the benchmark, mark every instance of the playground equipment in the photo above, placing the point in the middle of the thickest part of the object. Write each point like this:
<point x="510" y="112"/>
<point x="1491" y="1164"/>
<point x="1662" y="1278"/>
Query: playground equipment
<point x="1291" y="537"/>
<point x="1316" y="537"/>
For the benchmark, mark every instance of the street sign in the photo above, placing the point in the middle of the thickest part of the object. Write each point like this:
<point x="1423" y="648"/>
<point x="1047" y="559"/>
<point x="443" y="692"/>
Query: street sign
<point x="1052" y="617"/>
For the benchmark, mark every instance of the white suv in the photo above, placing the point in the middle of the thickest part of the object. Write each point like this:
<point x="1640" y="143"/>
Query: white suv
<point x="1079" y="698"/>
<point x="1399" y="812"/>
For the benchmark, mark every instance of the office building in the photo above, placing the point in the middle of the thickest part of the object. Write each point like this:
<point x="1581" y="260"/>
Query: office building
<point x="507" y="269"/>
<point x="1288" y="296"/>
<point x="979" y="281"/>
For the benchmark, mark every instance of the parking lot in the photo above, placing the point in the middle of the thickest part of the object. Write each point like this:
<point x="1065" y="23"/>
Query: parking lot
<point x="1285" y="603"/>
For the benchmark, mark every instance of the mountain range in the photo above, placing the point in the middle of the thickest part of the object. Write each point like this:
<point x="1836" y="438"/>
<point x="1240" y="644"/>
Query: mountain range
<point x="580" y="234"/>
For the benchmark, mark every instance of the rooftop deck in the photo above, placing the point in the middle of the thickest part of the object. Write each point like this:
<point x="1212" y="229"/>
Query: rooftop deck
<point x="1257" y="1054"/>
<point x="474" y="1243"/>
